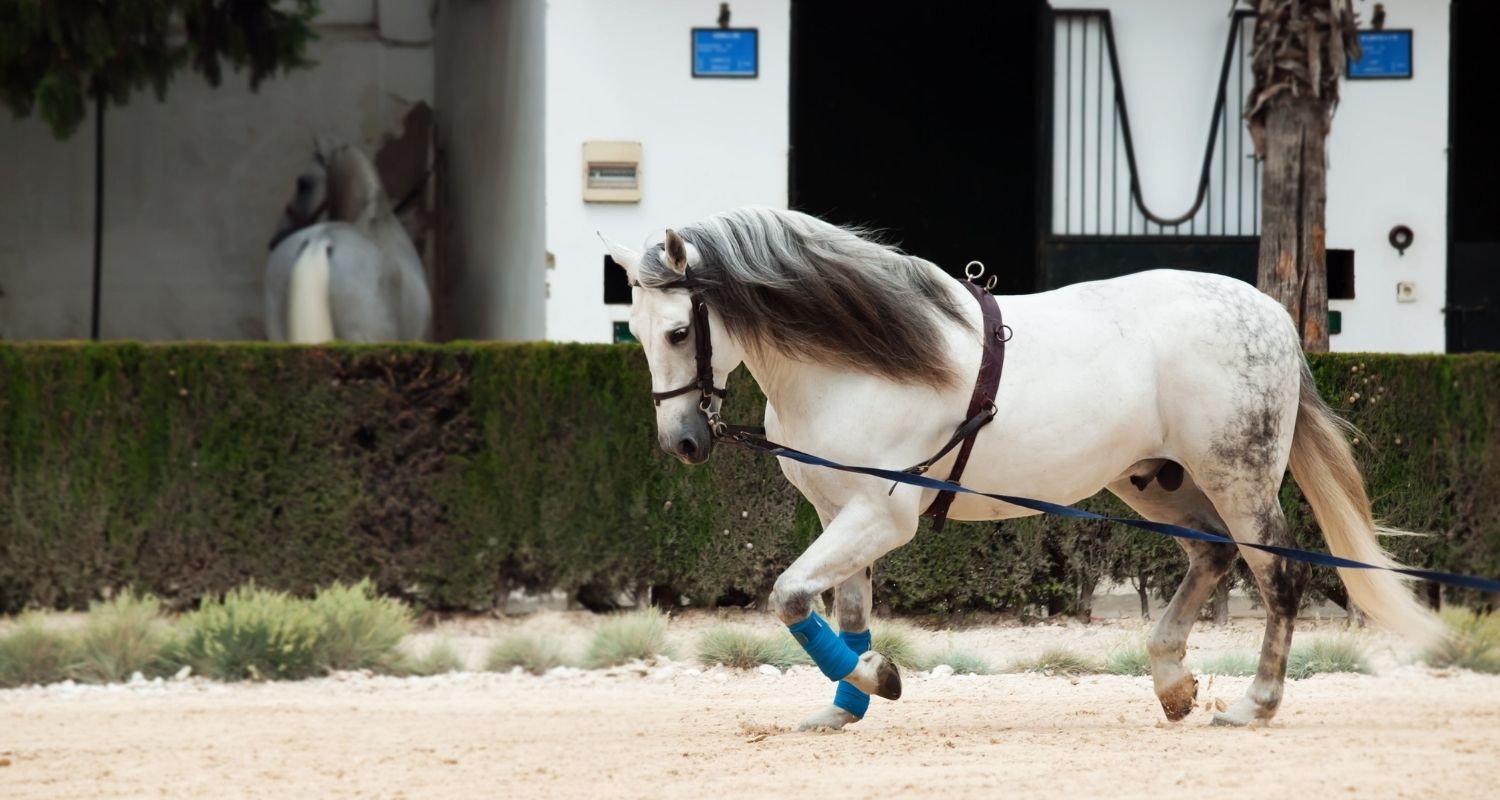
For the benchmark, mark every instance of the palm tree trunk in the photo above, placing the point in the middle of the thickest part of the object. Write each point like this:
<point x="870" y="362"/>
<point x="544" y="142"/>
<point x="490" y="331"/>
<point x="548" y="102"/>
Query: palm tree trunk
<point x="1293" y="258"/>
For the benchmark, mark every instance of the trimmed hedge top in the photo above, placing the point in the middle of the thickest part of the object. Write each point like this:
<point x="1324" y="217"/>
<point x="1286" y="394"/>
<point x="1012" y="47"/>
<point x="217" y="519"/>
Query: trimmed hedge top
<point x="451" y="474"/>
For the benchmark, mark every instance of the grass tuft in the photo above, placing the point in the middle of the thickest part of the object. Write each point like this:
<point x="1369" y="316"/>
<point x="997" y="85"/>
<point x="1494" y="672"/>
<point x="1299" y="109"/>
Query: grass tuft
<point x="1129" y="660"/>
<point x="360" y="629"/>
<point x="963" y="662"/>
<point x="121" y="637"/>
<point x="625" y="637"/>
<point x="897" y="642"/>
<point x="740" y="647"/>
<point x="439" y="659"/>
<point x="535" y="654"/>
<point x="1058" y="661"/>
<point x="1336" y="654"/>
<point x="1230" y="664"/>
<point x="253" y="634"/>
<point x="1473" y="642"/>
<point x="32" y="654"/>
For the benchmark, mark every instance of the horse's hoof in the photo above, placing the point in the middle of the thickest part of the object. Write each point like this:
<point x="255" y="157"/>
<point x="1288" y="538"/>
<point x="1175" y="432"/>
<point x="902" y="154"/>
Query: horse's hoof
<point x="888" y="680"/>
<point x="828" y="718"/>
<point x="1177" y="701"/>
<point x="1244" y="712"/>
<point x="875" y="674"/>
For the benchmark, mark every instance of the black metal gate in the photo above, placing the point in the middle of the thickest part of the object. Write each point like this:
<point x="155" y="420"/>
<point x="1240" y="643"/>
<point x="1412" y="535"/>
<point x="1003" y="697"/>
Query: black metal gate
<point x="1094" y="221"/>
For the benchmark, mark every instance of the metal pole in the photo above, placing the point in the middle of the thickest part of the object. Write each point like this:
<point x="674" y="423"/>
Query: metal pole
<point x="98" y="208"/>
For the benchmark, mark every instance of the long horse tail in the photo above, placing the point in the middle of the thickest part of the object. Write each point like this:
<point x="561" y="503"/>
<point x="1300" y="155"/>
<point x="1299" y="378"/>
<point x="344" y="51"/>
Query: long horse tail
<point x="1324" y="466"/>
<point x="309" y="312"/>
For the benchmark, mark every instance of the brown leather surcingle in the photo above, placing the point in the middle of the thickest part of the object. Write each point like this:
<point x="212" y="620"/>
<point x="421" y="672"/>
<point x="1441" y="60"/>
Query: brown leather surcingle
<point x="981" y="403"/>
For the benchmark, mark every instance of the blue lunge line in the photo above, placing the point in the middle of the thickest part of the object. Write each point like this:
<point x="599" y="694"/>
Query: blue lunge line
<point x="1296" y="554"/>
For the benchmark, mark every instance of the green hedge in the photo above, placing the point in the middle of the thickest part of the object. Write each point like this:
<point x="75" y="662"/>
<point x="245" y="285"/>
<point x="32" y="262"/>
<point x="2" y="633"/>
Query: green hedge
<point x="451" y="474"/>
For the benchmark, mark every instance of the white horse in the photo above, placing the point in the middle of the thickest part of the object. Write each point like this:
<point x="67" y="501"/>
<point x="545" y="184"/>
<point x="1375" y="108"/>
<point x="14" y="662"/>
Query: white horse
<point x="867" y="356"/>
<point x="357" y="276"/>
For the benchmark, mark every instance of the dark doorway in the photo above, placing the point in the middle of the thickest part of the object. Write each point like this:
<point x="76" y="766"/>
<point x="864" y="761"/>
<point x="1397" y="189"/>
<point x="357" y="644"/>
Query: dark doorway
<point x="921" y="119"/>
<point x="1474" y="173"/>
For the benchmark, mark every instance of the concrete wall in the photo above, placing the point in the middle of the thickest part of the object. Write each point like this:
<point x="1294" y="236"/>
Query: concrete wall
<point x="490" y="122"/>
<point x="194" y="187"/>
<point x="620" y="70"/>
<point x="1387" y="153"/>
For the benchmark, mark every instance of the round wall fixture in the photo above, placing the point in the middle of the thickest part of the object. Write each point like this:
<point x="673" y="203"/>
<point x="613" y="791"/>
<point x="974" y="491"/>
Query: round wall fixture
<point x="1401" y="238"/>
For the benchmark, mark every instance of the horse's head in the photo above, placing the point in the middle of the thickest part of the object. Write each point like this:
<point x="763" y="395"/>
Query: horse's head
<point x="309" y="198"/>
<point x="685" y="349"/>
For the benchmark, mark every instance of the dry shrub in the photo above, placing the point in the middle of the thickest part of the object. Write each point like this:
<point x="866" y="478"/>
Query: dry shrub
<point x="124" y="636"/>
<point x="360" y="630"/>
<point x="625" y="637"/>
<point x="253" y="634"/>
<point x="440" y="658"/>
<point x="1335" y="654"/>
<point x="32" y="654"/>
<point x="1473" y="642"/>
<point x="1058" y="661"/>
<point x="532" y="653"/>
<point x="740" y="647"/>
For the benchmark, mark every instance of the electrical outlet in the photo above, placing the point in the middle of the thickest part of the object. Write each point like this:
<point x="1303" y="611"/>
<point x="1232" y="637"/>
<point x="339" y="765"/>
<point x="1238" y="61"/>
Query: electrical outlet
<point x="1406" y="292"/>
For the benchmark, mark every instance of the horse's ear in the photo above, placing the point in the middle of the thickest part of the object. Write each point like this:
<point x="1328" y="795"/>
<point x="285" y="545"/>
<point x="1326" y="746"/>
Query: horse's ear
<point x="322" y="149"/>
<point x="677" y="254"/>
<point x="627" y="259"/>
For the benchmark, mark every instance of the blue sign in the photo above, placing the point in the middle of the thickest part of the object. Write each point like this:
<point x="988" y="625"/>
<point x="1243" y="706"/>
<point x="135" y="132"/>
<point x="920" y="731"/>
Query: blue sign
<point x="726" y="52"/>
<point x="1383" y="54"/>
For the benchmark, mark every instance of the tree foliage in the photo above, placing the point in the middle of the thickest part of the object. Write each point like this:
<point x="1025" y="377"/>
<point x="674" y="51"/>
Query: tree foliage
<point x="56" y="55"/>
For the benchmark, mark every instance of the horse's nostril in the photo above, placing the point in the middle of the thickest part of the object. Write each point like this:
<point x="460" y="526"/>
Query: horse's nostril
<point x="304" y="183"/>
<point x="687" y="447"/>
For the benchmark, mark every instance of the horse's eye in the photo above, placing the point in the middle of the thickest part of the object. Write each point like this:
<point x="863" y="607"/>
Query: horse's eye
<point x="678" y="336"/>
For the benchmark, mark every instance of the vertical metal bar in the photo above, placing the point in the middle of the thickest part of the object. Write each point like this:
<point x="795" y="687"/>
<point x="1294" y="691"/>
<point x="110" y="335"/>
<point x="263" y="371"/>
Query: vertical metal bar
<point x="1068" y="131"/>
<point x="1224" y="177"/>
<point x="1239" y="183"/>
<point x="1114" y="170"/>
<point x="1083" y="129"/>
<point x="1099" y="138"/>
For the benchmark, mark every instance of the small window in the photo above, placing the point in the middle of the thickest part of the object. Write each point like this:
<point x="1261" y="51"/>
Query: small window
<point x="1340" y="274"/>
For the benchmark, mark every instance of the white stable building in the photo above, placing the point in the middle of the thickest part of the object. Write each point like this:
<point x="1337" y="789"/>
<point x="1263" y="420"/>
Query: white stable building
<point x="1011" y="133"/>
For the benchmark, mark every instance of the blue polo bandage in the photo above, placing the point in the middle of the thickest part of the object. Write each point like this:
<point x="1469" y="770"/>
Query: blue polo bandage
<point x="824" y="647"/>
<point x="847" y="697"/>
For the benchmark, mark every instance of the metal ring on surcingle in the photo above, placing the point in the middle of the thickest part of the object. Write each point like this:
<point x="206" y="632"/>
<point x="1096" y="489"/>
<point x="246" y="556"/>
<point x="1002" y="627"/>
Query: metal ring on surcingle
<point x="989" y="285"/>
<point x="973" y="269"/>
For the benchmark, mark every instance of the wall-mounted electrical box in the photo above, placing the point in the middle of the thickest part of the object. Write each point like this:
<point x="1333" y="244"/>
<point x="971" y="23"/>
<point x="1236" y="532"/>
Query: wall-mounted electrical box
<point x="612" y="172"/>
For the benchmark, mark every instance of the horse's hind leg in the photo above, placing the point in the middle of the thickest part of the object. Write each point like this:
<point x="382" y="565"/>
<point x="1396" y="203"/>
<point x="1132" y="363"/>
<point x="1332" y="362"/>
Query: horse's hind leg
<point x="852" y="600"/>
<point x="1186" y="505"/>
<point x="1281" y="583"/>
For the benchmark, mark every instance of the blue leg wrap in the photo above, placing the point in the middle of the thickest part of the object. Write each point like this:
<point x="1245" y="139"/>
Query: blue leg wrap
<point x="824" y="647"/>
<point x="847" y="697"/>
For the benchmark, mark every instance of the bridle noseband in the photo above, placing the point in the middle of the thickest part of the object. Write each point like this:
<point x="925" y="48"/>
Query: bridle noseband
<point x="703" y="348"/>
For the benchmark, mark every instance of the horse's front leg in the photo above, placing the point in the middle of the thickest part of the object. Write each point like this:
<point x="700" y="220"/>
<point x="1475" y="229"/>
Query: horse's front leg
<point x="852" y="604"/>
<point x="857" y="536"/>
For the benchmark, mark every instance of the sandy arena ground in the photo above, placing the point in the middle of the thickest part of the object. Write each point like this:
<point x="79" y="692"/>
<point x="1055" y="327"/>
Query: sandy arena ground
<point x="672" y="729"/>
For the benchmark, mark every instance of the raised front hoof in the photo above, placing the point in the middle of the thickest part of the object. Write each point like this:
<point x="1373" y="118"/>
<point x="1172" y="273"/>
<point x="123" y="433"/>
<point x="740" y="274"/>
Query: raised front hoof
<point x="875" y="674"/>
<point x="829" y="718"/>
<point x="888" y="679"/>
<point x="1177" y="701"/>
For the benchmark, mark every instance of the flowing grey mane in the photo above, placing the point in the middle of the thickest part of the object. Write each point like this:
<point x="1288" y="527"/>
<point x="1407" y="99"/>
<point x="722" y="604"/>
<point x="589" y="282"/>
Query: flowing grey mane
<point x="818" y="292"/>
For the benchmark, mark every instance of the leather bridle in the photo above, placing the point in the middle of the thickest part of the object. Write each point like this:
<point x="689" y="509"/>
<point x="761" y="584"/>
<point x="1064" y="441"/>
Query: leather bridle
<point x="703" y="382"/>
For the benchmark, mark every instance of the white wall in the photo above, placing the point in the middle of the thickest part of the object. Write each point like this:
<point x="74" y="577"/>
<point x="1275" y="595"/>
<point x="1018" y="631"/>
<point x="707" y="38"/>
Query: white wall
<point x="1388" y="165"/>
<point x="620" y="70"/>
<point x="1387" y="153"/>
<point x="194" y="187"/>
